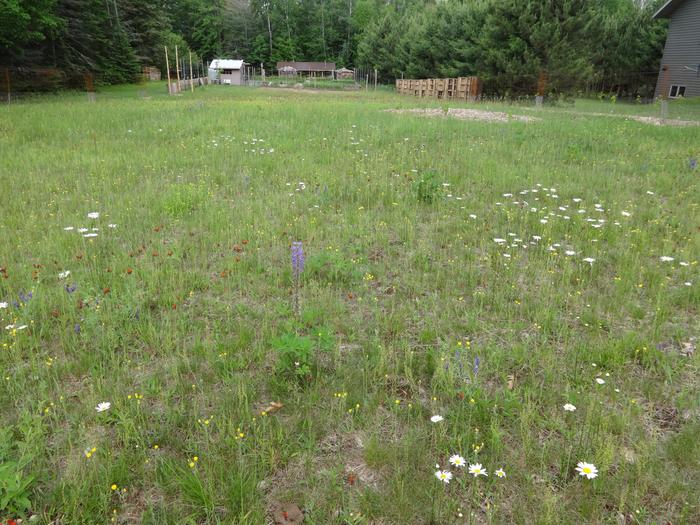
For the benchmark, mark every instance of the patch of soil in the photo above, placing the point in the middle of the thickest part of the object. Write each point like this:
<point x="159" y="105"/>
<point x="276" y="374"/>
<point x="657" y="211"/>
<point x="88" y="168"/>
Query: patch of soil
<point x="335" y="448"/>
<point x="467" y="114"/>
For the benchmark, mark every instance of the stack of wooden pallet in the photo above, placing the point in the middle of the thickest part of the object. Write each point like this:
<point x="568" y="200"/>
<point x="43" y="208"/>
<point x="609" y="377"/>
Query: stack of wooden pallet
<point x="461" y="88"/>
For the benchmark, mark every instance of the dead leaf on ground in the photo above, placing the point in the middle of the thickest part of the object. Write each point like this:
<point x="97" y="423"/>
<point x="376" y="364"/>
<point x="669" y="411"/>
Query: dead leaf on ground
<point x="273" y="407"/>
<point x="511" y="381"/>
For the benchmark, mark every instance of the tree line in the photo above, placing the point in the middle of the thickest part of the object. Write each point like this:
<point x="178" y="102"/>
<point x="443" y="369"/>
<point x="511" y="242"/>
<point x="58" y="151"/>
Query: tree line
<point x="613" y="45"/>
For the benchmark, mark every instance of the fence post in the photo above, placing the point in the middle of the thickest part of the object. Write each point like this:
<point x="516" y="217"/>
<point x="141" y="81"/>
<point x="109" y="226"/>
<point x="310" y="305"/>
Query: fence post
<point x="167" y="66"/>
<point x="177" y="69"/>
<point x="7" y="84"/>
<point x="89" y="87"/>
<point x="191" y="75"/>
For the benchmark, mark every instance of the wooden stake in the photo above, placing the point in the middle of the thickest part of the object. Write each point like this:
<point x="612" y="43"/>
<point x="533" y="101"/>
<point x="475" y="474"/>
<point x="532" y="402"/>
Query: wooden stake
<point x="191" y="75"/>
<point x="7" y="83"/>
<point x="177" y="69"/>
<point x="167" y="66"/>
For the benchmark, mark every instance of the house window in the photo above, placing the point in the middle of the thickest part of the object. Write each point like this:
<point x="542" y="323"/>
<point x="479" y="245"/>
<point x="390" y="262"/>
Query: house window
<point x="676" y="91"/>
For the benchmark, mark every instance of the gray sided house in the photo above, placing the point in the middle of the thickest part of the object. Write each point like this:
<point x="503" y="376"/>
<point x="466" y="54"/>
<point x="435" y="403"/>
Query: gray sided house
<point x="680" y="66"/>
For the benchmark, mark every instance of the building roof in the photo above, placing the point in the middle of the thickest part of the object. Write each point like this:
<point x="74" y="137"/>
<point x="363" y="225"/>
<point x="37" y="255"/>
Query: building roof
<point x="309" y="66"/>
<point x="223" y="63"/>
<point x="668" y="8"/>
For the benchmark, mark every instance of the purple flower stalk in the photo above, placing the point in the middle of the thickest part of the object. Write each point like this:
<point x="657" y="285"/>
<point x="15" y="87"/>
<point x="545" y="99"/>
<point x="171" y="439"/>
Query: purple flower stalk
<point x="297" y="259"/>
<point x="72" y="288"/>
<point x="476" y="365"/>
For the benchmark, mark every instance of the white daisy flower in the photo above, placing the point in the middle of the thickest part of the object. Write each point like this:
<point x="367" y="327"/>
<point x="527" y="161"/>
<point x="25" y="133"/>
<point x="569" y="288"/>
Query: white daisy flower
<point x="90" y="235"/>
<point x="93" y="215"/>
<point x="63" y="275"/>
<point x="570" y="252"/>
<point x="500" y="473"/>
<point x="477" y="470"/>
<point x="588" y="470"/>
<point x="101" y="407"/>
<point x="665" y="258"/>
<point x="600" y="380"/>
<point x="69" y="228"/>
<point x="3" y="305"/>
<point x="569" y="407"/>
<point x="589" y="260"/>
<point x="111" y="226"/>
<point x="436" y="419"/>
<point x="457" y="460"/>
<point x="444" y="475"/>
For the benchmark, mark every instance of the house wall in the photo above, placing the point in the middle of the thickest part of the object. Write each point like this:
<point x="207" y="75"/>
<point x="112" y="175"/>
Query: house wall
<point x="233" y="78"/>
<point x="682" y="49"/>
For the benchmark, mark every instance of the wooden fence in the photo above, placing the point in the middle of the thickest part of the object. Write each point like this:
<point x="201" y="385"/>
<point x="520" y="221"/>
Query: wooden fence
<point x="461" y="88"/>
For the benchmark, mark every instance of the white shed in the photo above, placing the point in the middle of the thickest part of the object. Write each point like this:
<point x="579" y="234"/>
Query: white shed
<point x="225" y="71"/>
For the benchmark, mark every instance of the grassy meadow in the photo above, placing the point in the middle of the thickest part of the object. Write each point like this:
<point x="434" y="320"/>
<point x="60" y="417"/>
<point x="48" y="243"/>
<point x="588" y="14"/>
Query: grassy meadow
<point x="164" y="362"/>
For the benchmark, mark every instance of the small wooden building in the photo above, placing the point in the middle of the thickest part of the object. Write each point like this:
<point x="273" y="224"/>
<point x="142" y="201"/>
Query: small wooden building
<point x="344" y="74"/>
<point x="151" y="73"/>
<point x="226" y="71"/>
<point x="311" y="69"/>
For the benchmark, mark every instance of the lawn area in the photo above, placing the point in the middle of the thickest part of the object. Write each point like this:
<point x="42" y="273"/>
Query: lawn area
<point x="164" y="360"/>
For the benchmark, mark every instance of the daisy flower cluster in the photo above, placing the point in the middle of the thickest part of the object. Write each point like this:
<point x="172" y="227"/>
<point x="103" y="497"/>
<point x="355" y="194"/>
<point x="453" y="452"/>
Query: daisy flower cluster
<point x="458" y="462"/>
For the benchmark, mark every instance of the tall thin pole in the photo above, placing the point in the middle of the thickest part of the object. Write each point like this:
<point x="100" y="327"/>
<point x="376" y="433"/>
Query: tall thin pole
<point x="7" y="82"/>
<point x="191" y="76"/>
<point x="375" y="79"/>
<point x="167" y="66"/>
<point x="177" y="69"/>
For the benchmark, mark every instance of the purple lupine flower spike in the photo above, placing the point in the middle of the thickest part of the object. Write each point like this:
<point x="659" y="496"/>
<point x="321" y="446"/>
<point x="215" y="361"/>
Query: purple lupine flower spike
<point x="297" y="259"/>
<point x="476" y="365"/>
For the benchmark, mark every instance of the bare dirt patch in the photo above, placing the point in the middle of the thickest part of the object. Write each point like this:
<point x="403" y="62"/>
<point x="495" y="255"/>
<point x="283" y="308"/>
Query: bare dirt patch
<point x="467" y="114"/>
<point x="655" y="121"/>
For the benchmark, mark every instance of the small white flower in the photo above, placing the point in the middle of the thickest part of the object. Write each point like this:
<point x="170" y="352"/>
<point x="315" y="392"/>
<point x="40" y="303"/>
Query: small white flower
<point x="63" y="275"/>
<point x="101" y="407"/>
<point x="3" y="305"/>
<point x="665" y="258"/>
<point x="477" y="470"/>
<point x="589" y="260"/>
<point x="69" y="228"/>
<point x="94" y="215"/>
<point x="436" y="419"/>
<point x="457" y="460"/>
<point x="82" y="230"/>
<point x="90" y="235"/>
<point x="626" y="214"/>
<point x="688" y="283"/>
<point x="569" y="407"/>
<point x="600" y="380"/>
<point x="499" y="241"/>
<point x="443" y="475"/>
<point x="472" y="216"/>
<point x="570" y="252"/>
<point x="500" y="473"/>
<point x="588" y="470"/>
<point x="111" y="226"/>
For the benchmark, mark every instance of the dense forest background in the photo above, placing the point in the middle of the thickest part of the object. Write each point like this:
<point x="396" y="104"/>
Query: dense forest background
<point x="599" y="45"/>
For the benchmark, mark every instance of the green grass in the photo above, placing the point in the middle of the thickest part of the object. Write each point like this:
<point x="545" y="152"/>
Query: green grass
<point x="191" y="324"/>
